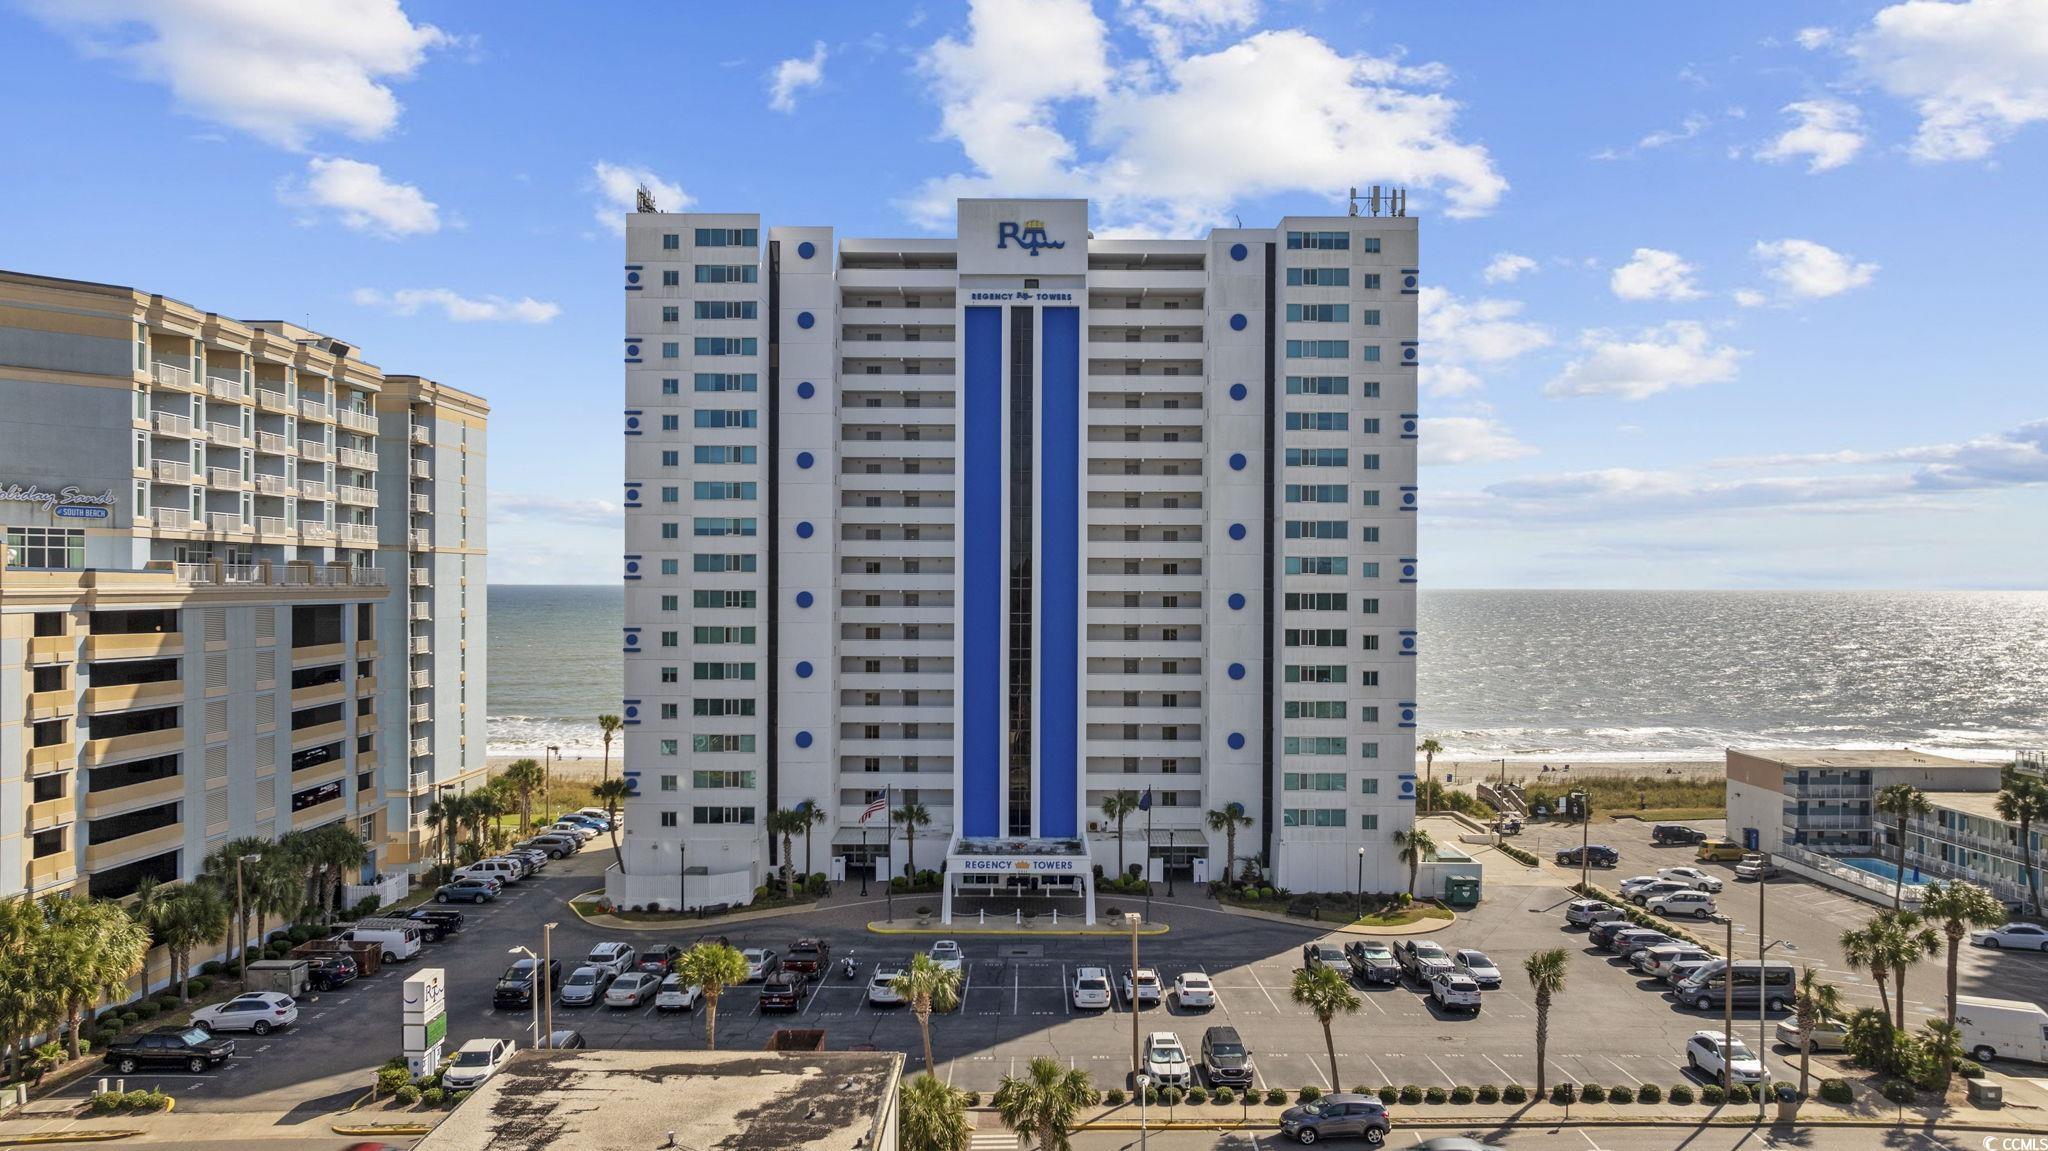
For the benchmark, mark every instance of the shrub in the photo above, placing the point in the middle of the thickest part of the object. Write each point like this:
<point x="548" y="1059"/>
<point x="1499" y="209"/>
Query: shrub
<point x="1681" y="1095"/>
<point x="1561" y="1093"/>
<point x="210" y="967"/>
<point x="817" y="884"/>
<point x="407" y="1095"/>
<point x="433" y="1097"/>
<point x="1837" y="1091"/>
<point x="1275" y="1097"/>
<point x="1650" y="1093"/>
<point x="455" y="1098"/>
<point x="1223" y="1095"/>
<point x="1115" y="1097"/>
<point x="1151" y="1096"/>
<point x="102" y="1102"/>
<point x="205" y="982"/>
<point x="1487" y="1093"/>
<point x="973" y="1098"/>
<point x="1411" y="1095"/>
<point x="390" y="1079"/>
<point x="1266" y="893"/>
<point x="1514" y="1093"/>
<point x="1712" y="1095"/>
<point x="1592" y="1093"/>
<point x="1899" y="1091"/>
<point x="1309" y="1094"/>
<point x="1198" y="1094"/>
<point x="1621" y="1094"/>
<point x="1969" y="1069"/>
<point x="1461" y="1095"/>
<point x="131" y="1017"/>
<point x="147" y="1009"/>
<point x="1171" y="1095"/>
<point x="1435" y="1095"/>
<point x="1738" y="1094"/>
<point x="1389" y="1094"/>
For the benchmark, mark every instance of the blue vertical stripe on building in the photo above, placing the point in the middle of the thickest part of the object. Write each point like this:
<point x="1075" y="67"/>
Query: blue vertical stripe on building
<point x="1059" y="519"/>
<point x="981" y="578"/>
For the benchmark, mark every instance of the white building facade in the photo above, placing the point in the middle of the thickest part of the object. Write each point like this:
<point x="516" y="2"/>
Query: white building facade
<point x="997" y="527"/>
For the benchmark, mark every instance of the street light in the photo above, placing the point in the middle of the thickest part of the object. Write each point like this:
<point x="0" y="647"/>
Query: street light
<point x="1144" y="1083"/>
<point x="241" y="924"/>
<point x="1361" y="884"/>
<point x="1137" y="1065"/>
<point x="544" y="985"/>
<point x="539" y="981"/>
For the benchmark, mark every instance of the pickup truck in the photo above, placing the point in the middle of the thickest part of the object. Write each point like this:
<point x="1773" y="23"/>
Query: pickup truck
<point x="1421" y="959"/>
<point x="1757" y="867"/>
<point x="1372" y="961"/>
<point x="809" y="956"/>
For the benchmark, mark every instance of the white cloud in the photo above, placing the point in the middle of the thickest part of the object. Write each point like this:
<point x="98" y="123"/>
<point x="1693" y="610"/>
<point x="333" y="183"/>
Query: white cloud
<point x="1468" y="440"/>
<point x="1750" y="298"/>
<point x="364" y="199"/>
<point x="1168" y="24"/>
<point x="281" y="72"/>
<point x="459" y="308"/>
<point x="794" y="75"/>
<point x="1806" y="270"/>
<point x="1827" y="132"/>
<point x="1458" y="334"/>
<point x="2000" y="459"/>
<point x="1654" y="274"/>
<point x="523" y="508"/>
<point x="1172" y="145"/>
<point x="1814" y="39"/>
<point x="616" y="185"/>
<point x="1507" y="267"/>
<point x="1679" y="354"/>
<point x="1689" y="127"/>
<point x="1976" y="71"/>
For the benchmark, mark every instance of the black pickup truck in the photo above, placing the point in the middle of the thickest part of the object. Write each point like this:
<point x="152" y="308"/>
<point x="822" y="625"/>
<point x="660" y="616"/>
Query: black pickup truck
<point x="1372" y="961"/>
<point x="191" y="1048"/>
<point x="809" y="956"/>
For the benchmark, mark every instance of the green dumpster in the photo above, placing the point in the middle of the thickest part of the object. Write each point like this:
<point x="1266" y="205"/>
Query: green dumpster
<point x="1462" y="890"/>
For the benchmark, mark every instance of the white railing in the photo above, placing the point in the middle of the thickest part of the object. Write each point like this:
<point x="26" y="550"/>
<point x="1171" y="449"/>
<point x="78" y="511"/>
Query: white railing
<point x="1876" y="884"/>
<point x="421" y="747"/>
<point x="172" y="471"/>
<point x="420" y="645"/>
<point x="422" y="713"/>
<point x="328" y="575"/>
<point x="271" y="401"/>
<point x="360" y="533"/>
<point x="419" y="611"/>
<point x="225" y="522"/>
<point x="171" y="424"/>
<point x="361" y="495"/>
<point x="271" y="526"/>
<point x="225" y="435"/>
<point x="357" y="421"/>
<point x="357" y="458"/>
<point x="171" y="519"/>
<point x="171" y="376"/>
<point x="314" y="450"/>
<point x="421" y="540"/>
<point x="224" y="478"/>
<point x="273" y="444"/>
<point x="420" y="679"/>
<point x="423" y="505"/>
<point x="316" y="532"/>
<point x="314" y="410"/>
<point x="269" y="485"/>
<point x="420" y="577"/>
<point x="313" y="489"/>
<point x="225" y="389"/>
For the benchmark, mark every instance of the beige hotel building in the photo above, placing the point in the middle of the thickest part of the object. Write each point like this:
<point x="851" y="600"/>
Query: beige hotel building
<point x="241" y="589"/>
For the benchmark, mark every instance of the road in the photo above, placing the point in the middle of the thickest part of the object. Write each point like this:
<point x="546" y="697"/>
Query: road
<point x="1593" y="1139"/>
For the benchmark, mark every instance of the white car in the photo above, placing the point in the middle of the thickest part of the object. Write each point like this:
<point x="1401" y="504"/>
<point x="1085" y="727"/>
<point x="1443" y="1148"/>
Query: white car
<point x="612" y="958"/>
<point x="947" y="954"/>
<point x="1142" y="986"/>
<point x="1166" y="1061"/>
<point x="1193" y="989"/>
<point x="2026" y="936"/>
<point x="260" y="1012"/>
<point x="1587" y="912"/>
<point x="1628" y="886"/>
<point x="675" y="995"/>
<point x="1660" y="962"/>
<point x="1091" y="988"/>
<point x="1642" y="896"/>
<point x="631" y="989"/>
<point x="1703" y="1055"/>
<point x="760" y="961"/>
<point x="1476" y="965"/>
<point x="1828" y="1035"/>
<point x="583" y="834"/>
<point x="1697" y="904"/>
<point x="882" y="987"/>
<point x="1694" y="876"/>
<point x="476" y="1061"/>
<point x="1454" y="991"/>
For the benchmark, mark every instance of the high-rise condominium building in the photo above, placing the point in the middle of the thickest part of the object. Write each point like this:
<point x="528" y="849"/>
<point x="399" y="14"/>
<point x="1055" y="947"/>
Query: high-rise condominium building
<point x="241" y="591"/>
<point x="999" y="526"/>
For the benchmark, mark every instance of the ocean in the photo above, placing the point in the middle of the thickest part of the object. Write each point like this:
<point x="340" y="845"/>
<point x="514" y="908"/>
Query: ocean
<point x="1581" y="675"/>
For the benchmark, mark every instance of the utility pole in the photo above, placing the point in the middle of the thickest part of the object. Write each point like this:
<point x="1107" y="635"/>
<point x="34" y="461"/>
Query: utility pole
<point x="1762" y="945"/>
<point x="1137" y="1065"/>
<point x="545" y="985"/>
<point x="1585" y="843"/>
<point x="1728" y="1007"/>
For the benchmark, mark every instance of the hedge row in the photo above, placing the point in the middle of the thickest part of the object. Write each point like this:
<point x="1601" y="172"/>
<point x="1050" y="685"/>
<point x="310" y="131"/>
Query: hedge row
<point x="1519" y="856"/>
<point x="1410" y="1095"/>
<point x="1643" y="918"/>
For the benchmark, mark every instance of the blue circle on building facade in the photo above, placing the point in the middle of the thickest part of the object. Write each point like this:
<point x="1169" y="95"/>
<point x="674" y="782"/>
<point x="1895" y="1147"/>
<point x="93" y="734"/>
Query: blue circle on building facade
<point x="1237" y="601"/>
<point x="632" y="566"/>
<point x="803" y="599"/>
<point x="803" y="739"/>
<point x="1237" y="671"/>
<point x="632" y="277"/>
<point x="803" y="459"/>
<point x="803" y="669"/>
<point x="1237" y="531"/>
<point x="1239" y="391"/>
<point x="806" y="250"/>
<point x="806" y="390"/>
<point x="805" y="319"/>
<point x="1239" y="251"/>
<point x="1236" y="740"/>
<point x="1237" y="322"/>
<point x="803" y="529"/>
<point x="632" y="421"/>
<point x="1237" y="461"/>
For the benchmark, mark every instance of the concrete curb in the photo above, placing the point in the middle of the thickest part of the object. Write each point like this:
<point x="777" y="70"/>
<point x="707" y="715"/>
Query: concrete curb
<point x="1419" y="927"/>
<point x="1451" y="1122"/>
<point x="881" y="927"/>
<point x="67" y="1137"/>
<point x="354" y="1129"/>
<point x="703" y="926"/>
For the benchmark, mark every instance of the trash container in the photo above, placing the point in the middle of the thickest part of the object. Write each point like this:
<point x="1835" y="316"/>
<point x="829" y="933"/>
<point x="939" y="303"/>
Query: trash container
<point x="1788" y="1102"/>
<point x="1462" y="890"/>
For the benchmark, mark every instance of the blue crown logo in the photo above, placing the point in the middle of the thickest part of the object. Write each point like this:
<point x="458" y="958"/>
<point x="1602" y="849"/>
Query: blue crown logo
<point x="1030" y="236"/>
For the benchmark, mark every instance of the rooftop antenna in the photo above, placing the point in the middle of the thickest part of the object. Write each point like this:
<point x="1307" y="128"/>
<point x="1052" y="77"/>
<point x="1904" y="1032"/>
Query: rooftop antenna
<point x="643" y="199"/>
<point x="1372" y="201"/>
<point x="1354" y="199"/>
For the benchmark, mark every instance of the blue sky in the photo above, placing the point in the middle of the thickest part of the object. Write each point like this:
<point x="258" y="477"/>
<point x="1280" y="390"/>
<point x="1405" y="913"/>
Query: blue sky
<point x="1721" y="296"/>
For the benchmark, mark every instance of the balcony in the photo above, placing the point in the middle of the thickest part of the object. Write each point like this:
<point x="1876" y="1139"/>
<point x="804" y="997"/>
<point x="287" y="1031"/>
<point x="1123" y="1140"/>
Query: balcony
<point x="419" y="470"/>
<point x="51" y="813"/>
<point x="228" y="479"/>
<point x="315" y="410"/>
<point x="314" y="450"/>
<point x="318" y="653"/>
<point x="422" y="505"/>
<point x="367" y="648"/>
<point x="421" y="746"/>
<point x="48" y="649"/>
<point x="366" y="685"/>
<point x="225" y="522"/>
<point x="421" y="435"/>
<point x="54" y="757"/>
<point x="322" y="693"/>
<point x="171" y="519"/>
<point x="357" y="421"/>
<point x="269" y="485"/>
<point x="99" y="804"/>
<point x="146" y="645"/>
<point x="222" y="388"/>
<point x="420" y="577"/>
<point x="270" y="443"/>
<point x="318" y="734"/>
<point x="272" y="526"/>
<point x="421" y="713"/>
<point x="357" y="458"/>
<point x="332" y="575"/>
<point x="51" y="704"/>
<point x="312" y="489"/>
<point x="419" y="611"/>
<point x="173" y="376"/>
<point x="51" y="870"/>
<point x="171" y="471"/>
<point x="420" y="645"/>
<point x="129" y="696"/>
<point x="105" y="856"/>
<point x="172" y="424"/>
<point x="315" y="533"/>
<point x="225" y="435"/>
<point x="356" y="533"/>
<point x="270" y="401"/>
<point x="357" y="495"/>
<point x="420" y="679"/>
<point x="319" y="814"/>
<point x="141" y="745"/>
<point x="421" y="539"/>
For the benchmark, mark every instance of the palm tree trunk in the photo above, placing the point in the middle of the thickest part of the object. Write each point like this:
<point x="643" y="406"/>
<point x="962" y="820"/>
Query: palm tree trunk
<point x="711" y="1022"/>
<point x="1899" y="1015"/>
<point x="924" y="1026"/>
<point x="1952" y="958"/>
<point x="1330" y="1044"/>
<point x="2033" y="880"/>
<point x="1119" y="847"/>
<point x="1542" y="1041"/>
<point x="1805" y="1060"/>
<point x="807" y="851"/>
<point x="71" y="1025"/>
<point x="1230" y="850"/>
<point x="910" y="849"/>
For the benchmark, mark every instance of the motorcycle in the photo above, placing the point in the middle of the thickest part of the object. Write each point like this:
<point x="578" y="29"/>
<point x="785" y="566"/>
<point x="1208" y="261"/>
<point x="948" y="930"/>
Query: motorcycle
<point x="846" y="968"/>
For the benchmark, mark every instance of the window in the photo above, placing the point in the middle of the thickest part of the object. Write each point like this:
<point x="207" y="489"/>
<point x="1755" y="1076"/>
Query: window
<point x="726" y="310"/>
<point x="671" y="711"/>
<point x="1369" y="389"/>
<point x="670" y="494"/>
<point x="668" y="567"/>
<point x="721" y="635"/>
<point x="1316" y="565"/>
<point x="715" y="672"/>
<point x="669" y="675"/>
<point x="671" y="458"/>
<point x="1314" y="673"/>
<point x="1370" y="533"/>
<point x="710" y="815"/>
<point x="727" y="237"/>
<point x="1369" y="280"/>
<point x="1369" y="750"/>
<point x="668" y="783"/>
<point x="720" y="599"/>
<point x="1318" y="277"/>
<point x="671" y="314"/>
<point x="1321" y="350"/>
<point x="1371" y="353"/>
<point x="670" y="638"/>
<point x="669" y="531"/>
<point x="1369" y="425"/>
<point x="669" y="747"/>
<point x="670" y="278"/>
<point x="1318" y="421"/>
<point x="1317" y="745"/>
<point x="1368" y="785"/>
<point x="725" y="418"/>
<point x="721" y="707"/>
<point x="1314" y="709"/>
<point x="671" y="241"/>
<point x="1368" y="678"/>
<point x="1312" y="781"/>
<point x="1370" y="461"/>
<point x="671" y="422"/>
<point x="670" y="349"/>
<point x="722" y="563"/>
<point x="1368" y="243"/>
<point x="724" y="454"/>
<point x="61" y="549"/>
<point x="1318" y="385"/>
<point x="670" y="387"/>
<point x="1312" y="817"/>
<point x="713" y="744"/>
<point x="1318" y="457"/>
<point x="1318" y="493"/>
<point x="727" y="274"/>
<point x="1370" y="317"/>
<point x="1317" y="530"/>
<point x="1319" y="313"/>
<point x="1318" y="601"/>
<point x="721" y="779"/>
<point x="726" y="345"/>
<point x="727" y="382"/>
<point x="1369" y="821"/>
<point x="1324" y="241"/>
<point x="722" y="526"/>
<point x="668" y="819"/>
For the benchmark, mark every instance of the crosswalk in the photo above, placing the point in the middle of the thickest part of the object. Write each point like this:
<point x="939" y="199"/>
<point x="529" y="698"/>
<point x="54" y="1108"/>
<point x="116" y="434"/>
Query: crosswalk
<point x="993" y="1141"/>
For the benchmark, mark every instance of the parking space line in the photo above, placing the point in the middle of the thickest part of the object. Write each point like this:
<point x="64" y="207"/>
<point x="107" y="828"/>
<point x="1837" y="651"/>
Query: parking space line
<point x="1506" y="1077"/>
<point x="1016" y="991"/>
<point x="1377" y="1069"/>
<point x="1066" y="1000"/>
<point x="1256" y="982"/>
<point x="1625" y="1071"/>
<point x="1440" y="1069"/>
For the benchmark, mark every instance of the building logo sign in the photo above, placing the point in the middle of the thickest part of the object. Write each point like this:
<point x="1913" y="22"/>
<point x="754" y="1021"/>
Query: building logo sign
<point x="73" y="503"/>
<point x="1030" y="236"/>
<point x="1016" y="864"/>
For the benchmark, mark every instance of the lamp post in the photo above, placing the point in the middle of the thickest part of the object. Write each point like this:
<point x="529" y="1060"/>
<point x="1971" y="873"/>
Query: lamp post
<point x="1144" y="1085"/>
<point x="547" y="780"/>
<point x="1360" y="914"/>
<point x="682" y="877"/>
<point x="1585" y="842"/>
<point x="241" y="925"/>
<point x="866" y="864"/>
<point x="1137" y="1065"/>
<point x="1762" y="945"/>
<point x="544" y="985"/>
<point x="1169" y="863"/>
<point x="540" y="1038"/>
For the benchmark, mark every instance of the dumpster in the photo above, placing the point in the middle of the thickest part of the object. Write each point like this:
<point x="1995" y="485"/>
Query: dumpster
<point x="1462" y="890"/>
<point x="797" y="1039"/>
<point x="285" y="976"/>
<point x="369" y="957"/>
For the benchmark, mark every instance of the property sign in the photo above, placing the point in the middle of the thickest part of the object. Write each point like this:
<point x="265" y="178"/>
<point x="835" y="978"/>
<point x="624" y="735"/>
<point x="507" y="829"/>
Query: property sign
<point x="425" y="1005"/>
<point x="69" y="502"/>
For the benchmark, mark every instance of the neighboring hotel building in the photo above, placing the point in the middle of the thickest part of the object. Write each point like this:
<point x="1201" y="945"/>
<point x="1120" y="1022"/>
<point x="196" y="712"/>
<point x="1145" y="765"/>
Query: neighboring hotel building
<point x="234" y="593"/>
<point x="1002" y="525"/>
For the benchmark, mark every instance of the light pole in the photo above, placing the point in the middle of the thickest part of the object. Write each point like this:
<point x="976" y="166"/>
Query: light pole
<point x="1169" y="863"/>
<point x="547" y="780"/>
<point x="540" y="1038"/>
<point x="1144" y="1083"/>
<point x="1762" y="945"/>
<point x="866" y="864"/>
<point x="544" y="986"/>
<point x="1585" y="843"/>
<point x="1728" y="1007"/>
<point x="1360" y="913"/>
<point x="241" y="924"/>
<point x="682" y="877"/>
<point x="1137" y="1065"/>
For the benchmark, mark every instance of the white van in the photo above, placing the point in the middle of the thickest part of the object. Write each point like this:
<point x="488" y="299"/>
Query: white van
<point x="2002" y="1029"/>
<point x="398" y="941"/>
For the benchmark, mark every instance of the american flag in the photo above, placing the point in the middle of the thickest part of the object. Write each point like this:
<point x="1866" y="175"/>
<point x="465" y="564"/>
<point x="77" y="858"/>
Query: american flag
<point x="872" y="810"/>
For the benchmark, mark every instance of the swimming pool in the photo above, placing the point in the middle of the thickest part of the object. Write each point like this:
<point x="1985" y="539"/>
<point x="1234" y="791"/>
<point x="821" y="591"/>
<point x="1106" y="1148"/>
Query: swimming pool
<point x="1882" y="868"/>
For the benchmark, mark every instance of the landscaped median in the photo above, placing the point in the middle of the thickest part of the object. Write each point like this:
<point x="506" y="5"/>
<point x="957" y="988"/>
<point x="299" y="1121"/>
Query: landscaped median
<point x="1642" y="918"/>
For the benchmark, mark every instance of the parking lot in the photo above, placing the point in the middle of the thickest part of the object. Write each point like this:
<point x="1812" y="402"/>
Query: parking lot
<point x="1607" y="1027"/>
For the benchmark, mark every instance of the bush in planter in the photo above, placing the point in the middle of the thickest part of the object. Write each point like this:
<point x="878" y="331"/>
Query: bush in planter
<point x="1738" y="1094"/>
<point x="1434" y="1095"/>
<point x="1461" y="1095"/>
<point x="455" y="1098"/>
<point x="1310" y="1094"/>
<point x="1900" y="1091"/>
<point x="1514" y="1093"/>
<point x="1171" y="1096"/>
<point x="1389" y="1095"/>
<point x="210" y="967"/>
<point x="1223" y="1096"/>
<point x="1650" y="1093"/>
<point x="1837" y="1091"/>
<point x="816" y="884"/>
<point x="1712" y="1095"/>
<point x="1681" y="1095"/>
<point x="1114" y="1097"/>
<point x="130" y="1017"/>
<point x="433" y="1097"/>
<point x="390" y="1079"/>
<point x="1621" y="1094"/>
<point x="1276" y="1097"/>
<point x="1969" y="1069"/>
<point x="1151" y="1096"/>
<point x="147" y="1009"/>
<point x="1592" y="1093"/>
<point x="1198" y="1094"/>
<point x="407" y="1095"/>
<point x="1411" y="1095"/>
<point x="1560" y="1093"/>
<point x="1266" y="893"/>
<point x="1487" y="1093"/>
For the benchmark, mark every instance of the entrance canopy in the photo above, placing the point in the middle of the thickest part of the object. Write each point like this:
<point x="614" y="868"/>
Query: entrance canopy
<point x="990" y="865"/>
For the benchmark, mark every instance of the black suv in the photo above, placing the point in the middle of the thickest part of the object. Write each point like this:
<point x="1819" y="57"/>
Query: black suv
<point x="436" y="923"/>
<point x="1597" y="855"/>
<point x="784" y="990"/>
<point x="1224" y="1059"/>
<point x="327" y="972"/>
<point x="1676" y="833"/>
<point x="189" y="1047"/>
<point x="515" y="987"/>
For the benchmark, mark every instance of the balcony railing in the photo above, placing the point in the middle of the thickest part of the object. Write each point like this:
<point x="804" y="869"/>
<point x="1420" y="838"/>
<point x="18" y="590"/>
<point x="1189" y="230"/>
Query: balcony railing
<point x="357" y="421"/>
<point x="271" y="401"/>
<point x="171" y="424"/>
<point x="271" y="443"/>
<point x="225" y="435"/>
<point x="421" y="435"/>
<point x="360" y="495"/>
<point x="420" y="577"/>
<point x="171" y="519"/>
<point x="356" y="458"/>
<point x="421" y="540"/>
<point x="356" y="533"/>
<point x="221" y="388"/>
<point x="313" y="489"/>
<point x="271" y="526"/>
<point x="421" y="712"/>
<point x="315" y="410"/>
<point x="419" y="469"/>
<point x="319" y="532"/>
<point x="420" y="679"/>
<point x="225" y="522"/>
<point x="172" y="471"/>
<point x="421" y="747"/>
<point x="225" y="478"/>
<point x="314" y="450"/>
<point x="269" y="485"/>
<point x="422" y="505"/>
<point x="419" y="611"/>
<point x="420" y="645"/>
<point x="172" y="376"/>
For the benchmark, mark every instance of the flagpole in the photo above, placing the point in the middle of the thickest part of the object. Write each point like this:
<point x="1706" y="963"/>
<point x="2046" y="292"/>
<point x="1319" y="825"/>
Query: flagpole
<point x="889" y="884"/>
<point x="1148" y="857"/>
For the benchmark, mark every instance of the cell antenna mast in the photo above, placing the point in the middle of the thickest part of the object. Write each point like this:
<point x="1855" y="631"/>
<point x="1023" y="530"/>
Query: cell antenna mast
<point x="643" y="199"/>
<point x="1354" y="199"/>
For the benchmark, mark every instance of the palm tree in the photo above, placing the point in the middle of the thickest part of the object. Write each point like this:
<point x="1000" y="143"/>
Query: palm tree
<point x="24" y="994"/>
<point x="220" y="864"/>
<point x="1430" y="749"/>
<point x="277" y="885"/>
<point x="1117" y="807"/>
<point x="1045" y="1102"/>
<point x="1906" y="940"/>
<point x="785" y="824"/>
<point x="2022" y="800"/>
<point x="1327" y="995"/>
<point x="441" y="816"/>
<point x="1818" y="1002"/>
<point x="100" y="949"/>
<point x="928" y="986"/>
<point x="814" y="817"/>
<point x="934" y="1116"/>
<point x="1958" y="907"/>
<point x="608" y="729"/>
<point x="336" y="850"/>
<point x="911" y="816"/>
<point x="1864" y="947"/>
<point x="1546" y="972"/>
<point x="1941" y="1044"/>
<point x="609" y="794"/>
<point x="1417" y="847"/>
<point x="180" y="918"/>
<point x="1227" y="819"/>
<point x="523" y="778"/>
<point x="712" y="967"/>
<point x="1902" y="801"/>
